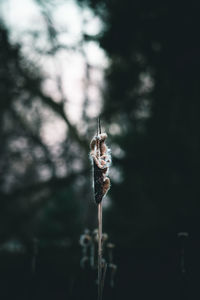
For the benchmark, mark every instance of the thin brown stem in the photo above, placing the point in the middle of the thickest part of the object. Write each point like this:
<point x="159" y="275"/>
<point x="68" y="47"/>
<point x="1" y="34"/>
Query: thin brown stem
<point x="100" y="251"/>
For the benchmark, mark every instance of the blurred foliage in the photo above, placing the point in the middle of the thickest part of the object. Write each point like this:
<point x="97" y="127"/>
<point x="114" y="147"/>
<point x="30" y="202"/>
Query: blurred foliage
<point x="61" y="216"/>
<point x="152" y="95"/>
<point x="38" y="181"/>
<point x="151" y="110"/>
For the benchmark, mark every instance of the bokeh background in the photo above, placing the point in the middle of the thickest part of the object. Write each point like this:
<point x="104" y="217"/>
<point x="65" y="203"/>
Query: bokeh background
<point x="137" y="65"/>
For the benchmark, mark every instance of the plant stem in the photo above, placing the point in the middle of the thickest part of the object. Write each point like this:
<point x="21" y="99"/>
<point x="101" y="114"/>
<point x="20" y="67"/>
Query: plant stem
<point x="99" y="250"/>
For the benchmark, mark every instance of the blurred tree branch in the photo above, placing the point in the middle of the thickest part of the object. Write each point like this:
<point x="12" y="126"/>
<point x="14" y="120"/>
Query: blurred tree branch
<point x="22" y="191"/>
<point x="55" y="183"/>
<point x="33" y="136"/>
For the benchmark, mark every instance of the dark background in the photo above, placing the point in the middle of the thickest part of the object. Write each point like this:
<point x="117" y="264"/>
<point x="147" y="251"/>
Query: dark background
<point x="151" y="113"/>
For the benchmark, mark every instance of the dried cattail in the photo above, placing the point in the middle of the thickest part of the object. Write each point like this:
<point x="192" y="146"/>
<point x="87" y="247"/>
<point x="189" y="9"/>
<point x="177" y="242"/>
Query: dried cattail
<point x="110" y="247"/>
<point x="101" y="159"/>
<point x="85" y="242"/>
<point x="113" y="269"/>
<point x="104" y="237"/>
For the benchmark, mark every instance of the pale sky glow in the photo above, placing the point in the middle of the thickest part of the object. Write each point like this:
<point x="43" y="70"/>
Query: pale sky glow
<point x="22" y="16"/>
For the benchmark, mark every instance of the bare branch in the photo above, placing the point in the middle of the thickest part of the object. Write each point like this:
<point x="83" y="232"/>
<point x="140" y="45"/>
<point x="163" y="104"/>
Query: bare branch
<point x="53" y="184"/>
<point x="34" y="137"/>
